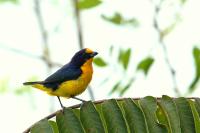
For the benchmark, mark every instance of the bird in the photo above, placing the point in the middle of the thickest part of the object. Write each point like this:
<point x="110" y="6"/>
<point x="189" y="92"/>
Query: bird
<point x="71" y="79"/>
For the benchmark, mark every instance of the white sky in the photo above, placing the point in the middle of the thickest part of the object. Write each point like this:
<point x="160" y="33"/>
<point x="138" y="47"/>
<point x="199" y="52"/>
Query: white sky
<point x="18" y="29"/>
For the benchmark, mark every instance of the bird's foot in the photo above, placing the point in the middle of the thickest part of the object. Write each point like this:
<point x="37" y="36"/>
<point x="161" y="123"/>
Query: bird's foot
<point x="62" y="110"/>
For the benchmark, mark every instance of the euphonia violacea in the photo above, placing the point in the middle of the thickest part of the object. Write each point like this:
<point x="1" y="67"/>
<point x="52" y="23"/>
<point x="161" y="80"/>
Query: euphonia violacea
<point x="71" y="79"/>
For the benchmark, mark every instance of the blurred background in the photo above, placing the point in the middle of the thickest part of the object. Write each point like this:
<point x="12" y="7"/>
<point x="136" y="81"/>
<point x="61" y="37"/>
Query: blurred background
<point x="146" y="47"/>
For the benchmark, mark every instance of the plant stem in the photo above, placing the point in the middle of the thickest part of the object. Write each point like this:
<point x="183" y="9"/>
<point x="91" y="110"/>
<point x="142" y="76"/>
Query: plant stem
<point x="80" y="37"/>
<point x="45" y="41"/>
<point x="163" y="45"/>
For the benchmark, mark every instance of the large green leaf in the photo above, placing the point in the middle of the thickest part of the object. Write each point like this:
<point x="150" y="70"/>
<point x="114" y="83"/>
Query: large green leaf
<point x="42" y="126"/>
<point x="197" y="105"/>
<point x="195" y="116"/>
<point x="145" y="115"/>
<point x="90" y="118"/>
<point x="185" y="114"/>
<point x="115" y="121"/>
<point x="99" y="110"/>
<point x="54" y="126"/>
<point x="87" y="4"/>
<point x="168" y="106"/>
<point x="135" y="117"/>
<point x="99" y="62"/>
<point x="196" y="56"/>
<point x="149" y="107"/>
<point x="68" y="122"/>
<point x="162" y="118"/>
<point x="145" y="65"/>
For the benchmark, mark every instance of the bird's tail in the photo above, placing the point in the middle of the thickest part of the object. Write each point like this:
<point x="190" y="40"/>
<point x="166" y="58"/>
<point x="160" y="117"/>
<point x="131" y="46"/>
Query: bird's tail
<point x="39" y="85"/>
<point x="32" y="83"/>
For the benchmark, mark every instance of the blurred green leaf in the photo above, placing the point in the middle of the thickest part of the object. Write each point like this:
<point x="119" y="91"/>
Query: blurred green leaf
<point x="168" y="30"/>
<point x="183" y="1"/>
<point x="111" y="49"/>
<point x="124" y="57"/>
<point x="12" y="1"/>
<point x="54" y="126"/>
<point x="87" y="4"/>
<point x="23" y="89"/>
<point x="118" y="19"/>
<point x="115" y="87"/>
<point x="4" y="84"/>
<point x="99" y="62"/>
<point x="126" y="87"/>
<point x="145" y="65"/>
<point x="196" y="56"/>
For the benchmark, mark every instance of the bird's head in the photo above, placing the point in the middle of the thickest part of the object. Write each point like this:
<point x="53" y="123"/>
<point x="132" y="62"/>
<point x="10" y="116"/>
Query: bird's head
<point x="82" y="56"/>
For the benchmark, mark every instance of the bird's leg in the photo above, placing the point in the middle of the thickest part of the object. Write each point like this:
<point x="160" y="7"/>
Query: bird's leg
<point x="60" y="103"/>
<point x="78" y="99"/>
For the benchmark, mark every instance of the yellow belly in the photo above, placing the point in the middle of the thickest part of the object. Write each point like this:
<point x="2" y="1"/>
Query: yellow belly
<point x="72" y="87"/>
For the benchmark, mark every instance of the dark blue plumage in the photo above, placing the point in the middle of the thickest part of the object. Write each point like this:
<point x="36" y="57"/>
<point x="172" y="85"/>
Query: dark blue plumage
<point x="70" y="71"/>
<point x="71" y="79"/>
<point x="67" y="72"/>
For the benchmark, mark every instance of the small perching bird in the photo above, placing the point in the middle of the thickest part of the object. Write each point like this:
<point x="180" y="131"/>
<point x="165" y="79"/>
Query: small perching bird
<point x="71" y="79"/>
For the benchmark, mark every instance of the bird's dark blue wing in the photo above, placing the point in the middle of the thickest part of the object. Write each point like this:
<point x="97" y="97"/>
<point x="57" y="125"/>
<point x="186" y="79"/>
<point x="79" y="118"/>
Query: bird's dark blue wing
<point x="67" y="72"/>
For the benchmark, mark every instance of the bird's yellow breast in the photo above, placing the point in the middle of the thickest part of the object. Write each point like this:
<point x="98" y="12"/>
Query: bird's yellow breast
<point x="75" y="87"/>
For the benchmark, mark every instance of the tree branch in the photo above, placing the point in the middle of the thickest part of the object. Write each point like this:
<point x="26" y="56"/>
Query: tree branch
<point x="80" y="37"/>
<point x="44" y="34"/>
<point x="95" y="102"/>
<point x="24" y="53"/>
<point x="163" y="45"/>
<point x="45" y="40"/>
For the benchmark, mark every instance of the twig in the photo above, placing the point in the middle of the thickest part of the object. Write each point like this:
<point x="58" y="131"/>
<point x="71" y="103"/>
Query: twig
<point x="95" y="102"/>
<point x="44" y="34"/>
<point x="78" y="24"/>
<point x="21" y="52"/>
<point x="80" y="37"/>
<point x="18" y="51"/>
<point x="163" y="45"/>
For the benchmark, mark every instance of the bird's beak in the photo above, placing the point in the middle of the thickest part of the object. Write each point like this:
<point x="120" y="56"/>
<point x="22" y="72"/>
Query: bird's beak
<point x="93" y="54"/>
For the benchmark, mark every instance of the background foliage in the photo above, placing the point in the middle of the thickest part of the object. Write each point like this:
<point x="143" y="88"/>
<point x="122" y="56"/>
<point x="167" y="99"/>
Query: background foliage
<point x="144" y="48"/>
